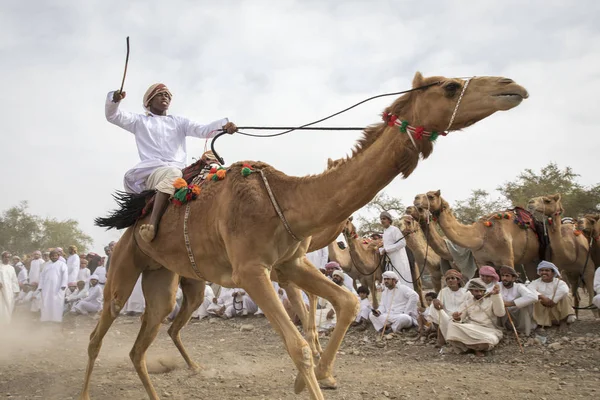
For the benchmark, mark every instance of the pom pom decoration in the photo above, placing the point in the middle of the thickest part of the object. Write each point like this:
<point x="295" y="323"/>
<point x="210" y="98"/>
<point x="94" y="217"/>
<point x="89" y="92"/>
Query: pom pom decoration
<point x="488" y="223"/>
<point x="549" y="220"/>
<point x="184" y="192"/>
<point x="403" y="126"/>
<point x="434" y="135"/>
<point x="246" y="170"/>
<point x="221" y="174"/>
<point x="179" y="183"/>
<point x="577" y="232"/>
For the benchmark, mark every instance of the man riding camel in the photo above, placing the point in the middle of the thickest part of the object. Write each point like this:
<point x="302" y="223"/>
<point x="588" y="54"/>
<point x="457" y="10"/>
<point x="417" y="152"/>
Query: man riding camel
<point x="160" y="140"/>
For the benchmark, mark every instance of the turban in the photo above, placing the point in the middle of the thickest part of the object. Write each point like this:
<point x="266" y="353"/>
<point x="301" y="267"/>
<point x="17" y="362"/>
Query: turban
<point x="454" y="273"/>
<point x="72" y="284"/>
<point x="5" y="253"/>
<point x="548" y="265"/>
<point x="37" y="252"/>
<point x="332" y="265"/>
<point x="486" y="270"/>
<point x="58" y="249"/>
<point x="94" y="276"/>
<point x="153" y="91"/>
<point x="476" y="284"/>
<point x="338" y="273"/>
<point x="390" y="275"/>
<point x="504" y="270"/>
<point x="386" y="214"/>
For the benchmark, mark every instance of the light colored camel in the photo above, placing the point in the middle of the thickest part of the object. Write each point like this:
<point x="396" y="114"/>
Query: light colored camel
<point x="365" y="258"/>
<point x="589" y="224"/>
<point x="497" y="242"/>
<point x="416" y="241"/>
<point x="237" y="237"/>
<point x="568" y="249"/>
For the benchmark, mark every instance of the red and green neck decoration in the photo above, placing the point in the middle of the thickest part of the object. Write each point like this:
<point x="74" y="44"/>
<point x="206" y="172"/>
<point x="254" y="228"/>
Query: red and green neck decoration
<point x="413" y="132"/>
<point x="184" y="192"/>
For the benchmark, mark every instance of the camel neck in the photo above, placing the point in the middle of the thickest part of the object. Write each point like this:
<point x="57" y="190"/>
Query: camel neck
<point x="468" y="236"/>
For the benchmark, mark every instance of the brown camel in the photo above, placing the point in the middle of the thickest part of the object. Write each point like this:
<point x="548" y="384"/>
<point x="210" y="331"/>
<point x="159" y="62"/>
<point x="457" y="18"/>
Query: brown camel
<point x="568" y="249"/>
<point x="417" y="243"/>
<point x="365" y="259"/>
<point x="420" y="212"/>
<point x="236" y="237"/>
<point x="493" y="241"/>
<point x="589" y="224"/>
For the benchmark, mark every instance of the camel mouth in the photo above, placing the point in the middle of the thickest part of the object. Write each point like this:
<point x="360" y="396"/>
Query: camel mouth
<point x="512" y="95"/>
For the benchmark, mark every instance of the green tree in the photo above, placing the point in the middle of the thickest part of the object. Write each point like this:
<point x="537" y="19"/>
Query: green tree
<point x="381" y="202"/>
<point x="479" y="204"/>
<point x="64" y="233"/>
<point x="576" y="199"/>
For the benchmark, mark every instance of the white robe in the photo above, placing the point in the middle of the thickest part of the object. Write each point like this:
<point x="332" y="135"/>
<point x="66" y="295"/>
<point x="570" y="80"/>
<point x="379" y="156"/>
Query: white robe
<point x="92" y="303"/>
<point x="73" y="264"/>
<point x="478" y="323"/>
<point x="52" y="280"/>
<point x="22" y="275"/>
<point x="136" y="302"/>
<point x="554" y="290"/>
<point x="451" y="302"/>
<point x="365" y="310"/>
<point x="318" y="258"/>
<point x="84" y="275"/>
<point x="202" y="310"/>
<point x="596" y="300"/>
<point x="241" y="304"/>
<point x="160" y="140"/>
<point x="10" y="286"/>
<point x="522" y="312"/>
<point x="101" y="272"/>
<point x="35" y="269"/>
<point x="398" y="306"/>
<point x="395" y="247"/>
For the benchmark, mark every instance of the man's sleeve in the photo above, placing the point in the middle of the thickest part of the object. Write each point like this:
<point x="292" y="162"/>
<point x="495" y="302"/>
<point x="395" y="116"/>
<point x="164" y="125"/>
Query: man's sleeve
<point x="123" y="119"/>
<point x="399" y="242"/>
<point x="526" y="298"/>
<point x="191" y="128"/>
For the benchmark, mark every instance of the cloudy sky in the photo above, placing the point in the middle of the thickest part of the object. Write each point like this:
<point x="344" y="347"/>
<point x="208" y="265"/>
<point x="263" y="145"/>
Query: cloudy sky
<point x="285" y="62"/>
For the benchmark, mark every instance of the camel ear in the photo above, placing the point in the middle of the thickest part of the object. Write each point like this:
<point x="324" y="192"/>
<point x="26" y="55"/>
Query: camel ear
<point x="329" y="163"/>
<point x="417" y="80"/>
<point x="555" y="197"/>
<point x="438" y="193"/>
<point x="350" y="218"/>
<point x="595" y="217"/>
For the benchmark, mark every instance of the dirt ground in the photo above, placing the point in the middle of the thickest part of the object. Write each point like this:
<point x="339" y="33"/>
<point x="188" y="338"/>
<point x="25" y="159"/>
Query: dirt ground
<point x="46" y="362"/>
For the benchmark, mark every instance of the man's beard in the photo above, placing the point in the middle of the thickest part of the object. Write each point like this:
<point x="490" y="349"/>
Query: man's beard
<point x="508" y="285"/>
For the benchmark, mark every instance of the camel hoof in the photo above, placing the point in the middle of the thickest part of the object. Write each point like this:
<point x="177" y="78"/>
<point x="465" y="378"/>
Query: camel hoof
<point x="299" y="385"/>
<point x="328" y="383"/>
<point x="194" y="367"/>
<point x="84" y="396"/>
<point x="147" y="232"/>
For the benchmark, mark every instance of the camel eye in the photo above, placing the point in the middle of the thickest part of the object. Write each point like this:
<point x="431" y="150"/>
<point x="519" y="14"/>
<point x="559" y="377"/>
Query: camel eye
<point x="451" y="88"/>
<point x="546" y="201"/>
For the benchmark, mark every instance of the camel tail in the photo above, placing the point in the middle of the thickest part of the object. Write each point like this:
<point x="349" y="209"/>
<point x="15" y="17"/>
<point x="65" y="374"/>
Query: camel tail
<point x="131" y="208"/>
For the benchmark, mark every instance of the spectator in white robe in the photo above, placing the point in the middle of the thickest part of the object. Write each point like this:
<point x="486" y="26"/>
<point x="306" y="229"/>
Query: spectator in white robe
<point x="362" y="319"/>
<point x="9" y="288"/>
<point x="101" y="273"/>
<point x="53" y="282"/>
<point x="518" y="301"/>
<point x="596" y="300"/>
<point x="242" y="304"/>
<point x="23" y="299"/>
<point x="474" y="324"/>
<point x="136" y="302"/>
<point x="70" y="296"/>
<point x="84" y="272"/>
<point x="20" y="270"/>
<point x="177" y="306"/>
<point x="333" y="266"/>
<point x="61" y="254"/>
<point x="394" y="246"/>
<point x="202" y="311"/>
<point x="554" y="305"/>
<point x="318" y="258"/>
<point x="221" y="302"/>
<point x="338" y="276"/>
<point x="425" y="325"/>
<point x="92" y="303"/>
<point x="35" y="269"/>
<point x="449" y="300"/>
<point x="397" y="307"/>
<point x="73" y="264"/>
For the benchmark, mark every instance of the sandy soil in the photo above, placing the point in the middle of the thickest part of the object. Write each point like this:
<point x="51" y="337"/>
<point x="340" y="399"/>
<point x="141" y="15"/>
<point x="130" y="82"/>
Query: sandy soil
<point x="40" y="362"/>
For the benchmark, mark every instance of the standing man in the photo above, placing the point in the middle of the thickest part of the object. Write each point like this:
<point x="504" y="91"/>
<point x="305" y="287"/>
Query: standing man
<point x="73" y="264"/>
<point x="518" y="301"/>
<point x="35" y="269"/>
<point x="394" y="245"/>
<point x="53" y="282"/>
<point x="108" y="252"/>
<point x="160" y="140"/>
<point x="9" y="288"/>
<point x="397" y="308"/>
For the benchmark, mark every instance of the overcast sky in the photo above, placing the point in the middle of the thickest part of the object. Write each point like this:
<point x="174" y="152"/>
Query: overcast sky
<point x="285" y="62"/>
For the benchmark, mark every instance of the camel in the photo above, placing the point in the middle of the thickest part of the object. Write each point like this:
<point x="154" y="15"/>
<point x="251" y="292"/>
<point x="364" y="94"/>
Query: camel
<point x="236" y="236"/>
<point x="365" y="259"/>
<point x="494" y="240"/>
<point x="589" y="224"/>
<point x="416" y="241"/>
<point x="568" y="249"/>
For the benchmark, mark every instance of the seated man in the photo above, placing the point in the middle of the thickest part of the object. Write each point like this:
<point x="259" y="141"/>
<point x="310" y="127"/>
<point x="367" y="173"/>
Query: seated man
<point x="518" y="301"/>
<point x="554" y="303"/>
<point x="338" y="276"/>
<point x="74" y="294"/>
<point x="202" y="311"/>
<point x="242" y="304"/>
<point x="474" y="324"/>
<point x="424" y="319"/>
<point x="92" y="303"/>
<point x="362" y="319"/>
<point x="489" y="277"/>
<point x="449" y="301"/>
<point x="333" y="266"/>
<point x="221" y="302"/>
<point x="397" y="308"/>
<point x="161" y="143"/>
<point x="596" y="300"/>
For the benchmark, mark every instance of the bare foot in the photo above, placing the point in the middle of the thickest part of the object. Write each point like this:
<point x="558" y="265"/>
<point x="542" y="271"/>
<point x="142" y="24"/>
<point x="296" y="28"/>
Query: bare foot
<point x="479" y="353"/>
<point x="147" y="232"/>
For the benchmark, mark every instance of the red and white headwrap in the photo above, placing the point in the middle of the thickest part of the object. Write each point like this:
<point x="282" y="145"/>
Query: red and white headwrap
<point x="153" y="91"/>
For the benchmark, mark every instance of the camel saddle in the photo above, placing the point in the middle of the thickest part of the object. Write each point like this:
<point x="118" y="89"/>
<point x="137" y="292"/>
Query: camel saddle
<point x="524" y="218"/>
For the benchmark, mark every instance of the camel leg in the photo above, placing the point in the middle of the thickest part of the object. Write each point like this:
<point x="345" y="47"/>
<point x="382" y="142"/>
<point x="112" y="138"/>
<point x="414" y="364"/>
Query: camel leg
<point x="256" y="282"/>
<point x="193" y="296"/>
<point x="308" y="323"/>
<point x="120" y="281"/>
<point x="589" y="284"/>
<point x="373" y="289"/>
<point x="160" y="288"/>
<point x="346" y="308"/>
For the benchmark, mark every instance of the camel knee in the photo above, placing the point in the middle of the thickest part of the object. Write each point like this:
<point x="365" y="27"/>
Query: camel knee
<point x="115" y="308"/>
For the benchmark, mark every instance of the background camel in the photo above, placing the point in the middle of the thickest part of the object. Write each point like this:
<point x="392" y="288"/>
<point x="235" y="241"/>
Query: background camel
<point x="493" y="241"/>
<point x="568" y="250"/>
<point x="589" y="224"/>
<point x="237" y="237"/>
<point x="424" y="256"/>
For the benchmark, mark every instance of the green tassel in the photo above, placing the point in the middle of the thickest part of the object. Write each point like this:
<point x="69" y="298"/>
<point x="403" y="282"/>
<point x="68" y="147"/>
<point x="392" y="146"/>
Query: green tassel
<point x="215" y="177"/>
<point x="246" y="171"/>
<point x="403" y="126"/>
<point x="434" y="135"/>
<point x="181" y="194"/>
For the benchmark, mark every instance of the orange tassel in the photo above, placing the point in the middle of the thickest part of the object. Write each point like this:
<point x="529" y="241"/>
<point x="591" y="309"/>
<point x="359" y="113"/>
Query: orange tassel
<point x="209" y="177"/>
<point x="196" y="190"/>
<point x="179" y="183"/>
<point x="487" y="223"/>
<point x="221" y="174"/>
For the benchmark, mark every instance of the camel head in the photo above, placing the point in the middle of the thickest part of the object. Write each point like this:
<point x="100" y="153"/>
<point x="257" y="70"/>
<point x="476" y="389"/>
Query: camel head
<point x="434" y="201"/>
<point x="421" y="202"/>
<point x="432" y="107"/>
<point x="407" y="225"/>
<point x="590" y="224"/>
<point x="413" y="212"/>
<point x="549" y="206"/>
<point x="349" y="230"/>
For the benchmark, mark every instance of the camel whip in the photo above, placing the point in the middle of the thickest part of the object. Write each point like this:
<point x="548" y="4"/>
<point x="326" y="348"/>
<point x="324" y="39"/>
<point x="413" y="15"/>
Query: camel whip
<point x="515" y="330"/>
<point x="126" y="62"/>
